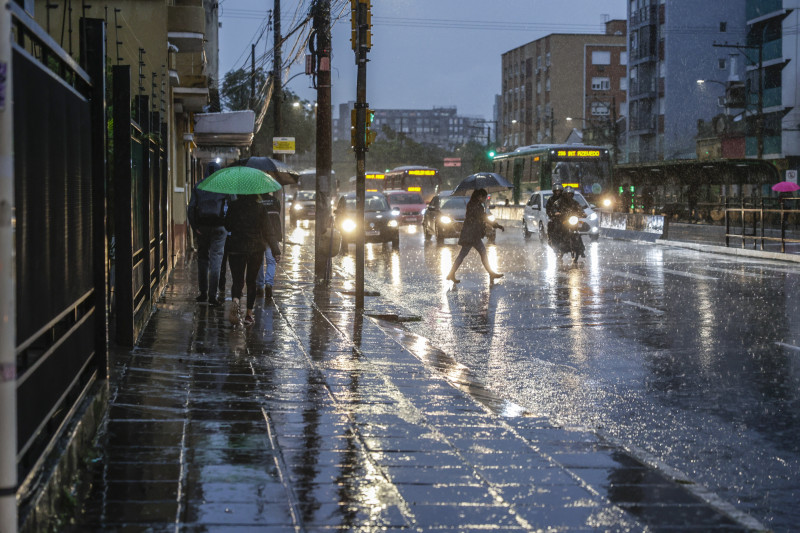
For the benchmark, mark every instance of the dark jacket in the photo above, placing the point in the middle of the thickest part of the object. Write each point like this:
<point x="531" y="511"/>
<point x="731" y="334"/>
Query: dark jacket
<point x="273" y="206"/>
<point x="249" y="228"/>
<point x="206" y="208"/>
<point x="475" y="221"/>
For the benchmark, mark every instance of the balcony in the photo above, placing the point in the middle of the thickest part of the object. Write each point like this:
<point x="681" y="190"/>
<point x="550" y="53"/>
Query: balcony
<point x="186" y="26"/>
<point x="772" y="97"/>
<point x="772" y="145"/>
<point x="646" y="15"/>
<point x="758" y="8"/>
<point x="191" y="69"/>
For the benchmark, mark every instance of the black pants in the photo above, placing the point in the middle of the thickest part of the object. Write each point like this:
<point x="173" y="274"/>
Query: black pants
<point x="245" y="267"/>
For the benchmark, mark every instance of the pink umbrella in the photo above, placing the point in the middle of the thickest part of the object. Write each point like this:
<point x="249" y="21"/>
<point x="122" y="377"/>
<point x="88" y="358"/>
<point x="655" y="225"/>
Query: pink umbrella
<point x="785" y="186"/>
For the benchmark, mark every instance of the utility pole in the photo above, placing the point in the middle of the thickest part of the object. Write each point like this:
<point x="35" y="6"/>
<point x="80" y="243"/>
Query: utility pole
<point x="760" y="101"/>
<point x="321" y="11"/>
<point x="253" y="75"/>
<point x="276" y="72"/>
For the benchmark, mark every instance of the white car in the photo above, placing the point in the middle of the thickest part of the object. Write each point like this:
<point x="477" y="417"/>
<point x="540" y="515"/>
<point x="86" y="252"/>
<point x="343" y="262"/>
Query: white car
<point x="535" y="218"/>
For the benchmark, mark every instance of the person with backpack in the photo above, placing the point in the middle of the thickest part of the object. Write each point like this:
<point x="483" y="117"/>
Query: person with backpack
<point x="266" y="275"/>
<point x="206" y="214"/>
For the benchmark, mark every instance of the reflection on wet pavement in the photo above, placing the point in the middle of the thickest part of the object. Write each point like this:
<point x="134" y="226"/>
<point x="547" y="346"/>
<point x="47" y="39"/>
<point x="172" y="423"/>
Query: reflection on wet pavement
<point x="316" y="418"/>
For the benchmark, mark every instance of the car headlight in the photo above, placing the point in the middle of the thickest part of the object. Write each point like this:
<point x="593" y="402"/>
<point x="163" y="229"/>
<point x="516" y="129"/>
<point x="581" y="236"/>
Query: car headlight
<point x="395" y="212"/>
<point x="445" y="219"/>
<point x="348" y="225"/>
<point x="392" y="224"/>
<point x="297" y="207"/>
<point x="573" y="220"/>
<point x="491" y="218"/>
<point x="607" y="202"/>
<point x="593" y="216"/>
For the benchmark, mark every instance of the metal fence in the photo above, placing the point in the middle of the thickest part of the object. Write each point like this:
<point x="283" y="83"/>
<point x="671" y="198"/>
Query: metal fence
<point x="763" y="222"/>
<point x="140" y="208"/>
<point x="59" y="212"/>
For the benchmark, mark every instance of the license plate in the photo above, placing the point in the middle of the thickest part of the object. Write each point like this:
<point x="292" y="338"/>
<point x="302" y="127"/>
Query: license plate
<point x="373" y="233"/>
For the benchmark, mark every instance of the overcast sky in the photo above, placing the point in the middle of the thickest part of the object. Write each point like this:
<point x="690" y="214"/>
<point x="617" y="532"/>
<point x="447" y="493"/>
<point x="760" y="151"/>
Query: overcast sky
<point x="425" y="53"/>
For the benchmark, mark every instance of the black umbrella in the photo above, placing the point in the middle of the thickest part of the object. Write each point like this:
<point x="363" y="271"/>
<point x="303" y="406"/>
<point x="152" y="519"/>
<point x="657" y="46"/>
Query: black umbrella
<point x="490" y="181"/>
<point x="283" y="173"/>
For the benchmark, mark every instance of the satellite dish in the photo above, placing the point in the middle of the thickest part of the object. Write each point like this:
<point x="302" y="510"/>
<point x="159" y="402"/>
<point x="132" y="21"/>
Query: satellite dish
<point x="720" y="124"/>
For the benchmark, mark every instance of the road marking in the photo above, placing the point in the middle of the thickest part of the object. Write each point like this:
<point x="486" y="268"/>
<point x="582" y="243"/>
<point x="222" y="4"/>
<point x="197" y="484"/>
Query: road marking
<point x="788" y="346"/>
<point x="630" y="275"/>
<point x="687" y="274"/>
<point x="735" y="272"/>
<point x="646" y="308"/>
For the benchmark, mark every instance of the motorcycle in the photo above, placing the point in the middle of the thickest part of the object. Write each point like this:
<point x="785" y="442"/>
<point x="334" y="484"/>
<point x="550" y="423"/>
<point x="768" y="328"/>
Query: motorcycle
<point x="567" y="239"/>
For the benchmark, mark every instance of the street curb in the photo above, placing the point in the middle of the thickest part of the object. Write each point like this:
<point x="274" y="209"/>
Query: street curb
<point x="741" y="252"/>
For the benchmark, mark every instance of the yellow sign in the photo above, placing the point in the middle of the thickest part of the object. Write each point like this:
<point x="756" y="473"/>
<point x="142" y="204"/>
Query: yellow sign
<point x="421" y="172"/>
<point x="374" y="176"/>
<point x="414" y="189"/>
<point x="283" y="145"/>
<point x="578" y="153"/>
<point x="573" y="185"/>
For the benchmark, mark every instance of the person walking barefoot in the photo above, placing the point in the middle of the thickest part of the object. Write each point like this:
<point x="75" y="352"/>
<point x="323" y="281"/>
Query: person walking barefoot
<point x="472" y="233"/>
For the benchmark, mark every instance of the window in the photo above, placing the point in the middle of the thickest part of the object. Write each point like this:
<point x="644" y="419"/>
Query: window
<point x="623" y="58"/>
<point x="547" y="84"/>
<point x="539" y="62"/>
<point x="723" y="27"/>
<point x="601" y="84"/>
<point x="721" y="63"/>
<point x="600" y="109"/>
<point x="623" y="84"/>
<point x="601" y="58"/>
<point x="547" y="59"/>
<point x="538" y="87"/>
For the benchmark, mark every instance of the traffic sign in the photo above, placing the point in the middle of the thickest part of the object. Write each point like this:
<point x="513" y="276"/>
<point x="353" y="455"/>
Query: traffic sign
<point x="283" y="145"/>
<point x="791" y="175"/>
<point x="452" y="161"/>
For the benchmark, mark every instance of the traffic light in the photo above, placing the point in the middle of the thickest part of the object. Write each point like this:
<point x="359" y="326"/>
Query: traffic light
<point x="491" y="154"/>
<point x="354" y="24"/>
<point x="370" y="134"/>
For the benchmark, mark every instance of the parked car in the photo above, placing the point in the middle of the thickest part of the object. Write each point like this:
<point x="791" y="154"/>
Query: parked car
<point x="381" y="223"/>
<point x="444" y="217"/>
<point x="409" y="204"/>
<point x="535" y="218"/>
<point x="304" y="206"/>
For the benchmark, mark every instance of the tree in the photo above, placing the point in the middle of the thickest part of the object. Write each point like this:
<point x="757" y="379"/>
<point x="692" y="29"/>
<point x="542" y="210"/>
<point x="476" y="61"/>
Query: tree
<point x="237" y="88"/>
<point x="298" y="121"/>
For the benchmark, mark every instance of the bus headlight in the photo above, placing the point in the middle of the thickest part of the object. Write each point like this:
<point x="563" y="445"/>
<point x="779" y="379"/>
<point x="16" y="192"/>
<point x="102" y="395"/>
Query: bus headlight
<point x="445" y="219"/>
<point x="573" y="220"/>
<point x="593" y="216"/>
<point x="349" y="225"/>
<point x="392" y="224"/>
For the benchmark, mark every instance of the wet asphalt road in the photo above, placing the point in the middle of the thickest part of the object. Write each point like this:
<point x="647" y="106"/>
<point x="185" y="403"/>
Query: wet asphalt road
<point x="688" y="359"/>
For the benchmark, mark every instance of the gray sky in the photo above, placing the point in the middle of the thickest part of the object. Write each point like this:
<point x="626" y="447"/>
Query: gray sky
<point x="425" y="53"/>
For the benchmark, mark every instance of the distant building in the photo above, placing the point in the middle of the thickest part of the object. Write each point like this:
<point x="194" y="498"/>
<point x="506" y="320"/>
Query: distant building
<point x="671" y="47"/>
<point x="773" y="24"/>
<point x="577" y="76"/>
<point x="440" y="126"/>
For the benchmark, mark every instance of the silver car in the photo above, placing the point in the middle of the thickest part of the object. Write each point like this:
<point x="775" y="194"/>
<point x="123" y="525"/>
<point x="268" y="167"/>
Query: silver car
<point x="535" y="218"/>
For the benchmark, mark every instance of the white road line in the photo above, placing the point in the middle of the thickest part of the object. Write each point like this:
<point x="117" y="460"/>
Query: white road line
<point x="646" y="308"/>
<point x="629" y="275"/>
<point x="735" y="272"/>
<point x="788" y="346"/>
<point x="687" y="274"/>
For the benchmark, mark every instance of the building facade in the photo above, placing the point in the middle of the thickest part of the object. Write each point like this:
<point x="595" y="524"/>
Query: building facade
<point x="772" y="27"/>
<point x="440" y="126"/>
<point x="671" y="45"/>
<point x="580" y="77"/>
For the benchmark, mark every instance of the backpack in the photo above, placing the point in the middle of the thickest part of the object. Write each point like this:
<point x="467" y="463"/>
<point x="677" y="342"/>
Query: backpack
<point x="210" y="208"/>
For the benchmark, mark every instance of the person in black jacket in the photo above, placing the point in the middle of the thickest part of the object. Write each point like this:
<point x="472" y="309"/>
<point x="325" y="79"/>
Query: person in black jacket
<point x="250" y="234"/>
<point x="472" y="233"/>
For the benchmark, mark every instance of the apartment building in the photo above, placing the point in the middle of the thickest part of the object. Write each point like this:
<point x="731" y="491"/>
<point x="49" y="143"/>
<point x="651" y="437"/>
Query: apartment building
<point x="671" y="47"/>
<point x="580" y="77"/>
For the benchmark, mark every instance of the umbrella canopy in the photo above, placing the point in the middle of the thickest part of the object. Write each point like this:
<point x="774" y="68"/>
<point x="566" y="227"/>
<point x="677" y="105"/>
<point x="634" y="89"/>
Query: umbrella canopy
<point x="785" y="186"/>
<point x="490" y="181"/>
<point x="283" y="173"/>
<point x="239" y="180"/>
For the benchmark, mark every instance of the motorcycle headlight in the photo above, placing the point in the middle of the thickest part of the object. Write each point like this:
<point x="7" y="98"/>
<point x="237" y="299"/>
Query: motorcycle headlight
<point x="445" y="219"/>
<point x="349" y="225"/>
<point x="593" y="216"/>
<point x="607" y="202"/>
<point x="491" y="218"/>
<point x="573" y="220"/>
<point x="392" y="224"/>
<point x="297" y="207"/>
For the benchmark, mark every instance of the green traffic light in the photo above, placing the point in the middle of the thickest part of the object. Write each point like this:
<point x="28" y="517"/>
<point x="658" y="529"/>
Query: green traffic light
<point x="491" y="154"/>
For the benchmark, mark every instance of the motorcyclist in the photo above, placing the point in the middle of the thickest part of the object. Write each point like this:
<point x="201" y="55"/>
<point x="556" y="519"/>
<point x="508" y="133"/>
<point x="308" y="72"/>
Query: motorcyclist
<point x="568" y="206"/>
<point x="554" y="217"/>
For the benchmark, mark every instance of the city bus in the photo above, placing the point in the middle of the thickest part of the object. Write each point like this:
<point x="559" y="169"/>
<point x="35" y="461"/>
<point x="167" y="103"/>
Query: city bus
<point x="543" y="166"/>
<point x="373" y="182"/>
<point x="424" y="180"/>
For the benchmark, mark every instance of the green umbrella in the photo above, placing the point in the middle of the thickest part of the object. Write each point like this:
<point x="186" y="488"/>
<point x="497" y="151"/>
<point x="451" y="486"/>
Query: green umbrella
<point x="239" y="180"/>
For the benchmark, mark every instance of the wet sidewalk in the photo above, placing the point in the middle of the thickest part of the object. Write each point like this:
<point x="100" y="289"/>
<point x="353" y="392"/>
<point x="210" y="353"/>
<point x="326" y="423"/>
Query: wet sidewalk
<point x="315" y="419"/>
